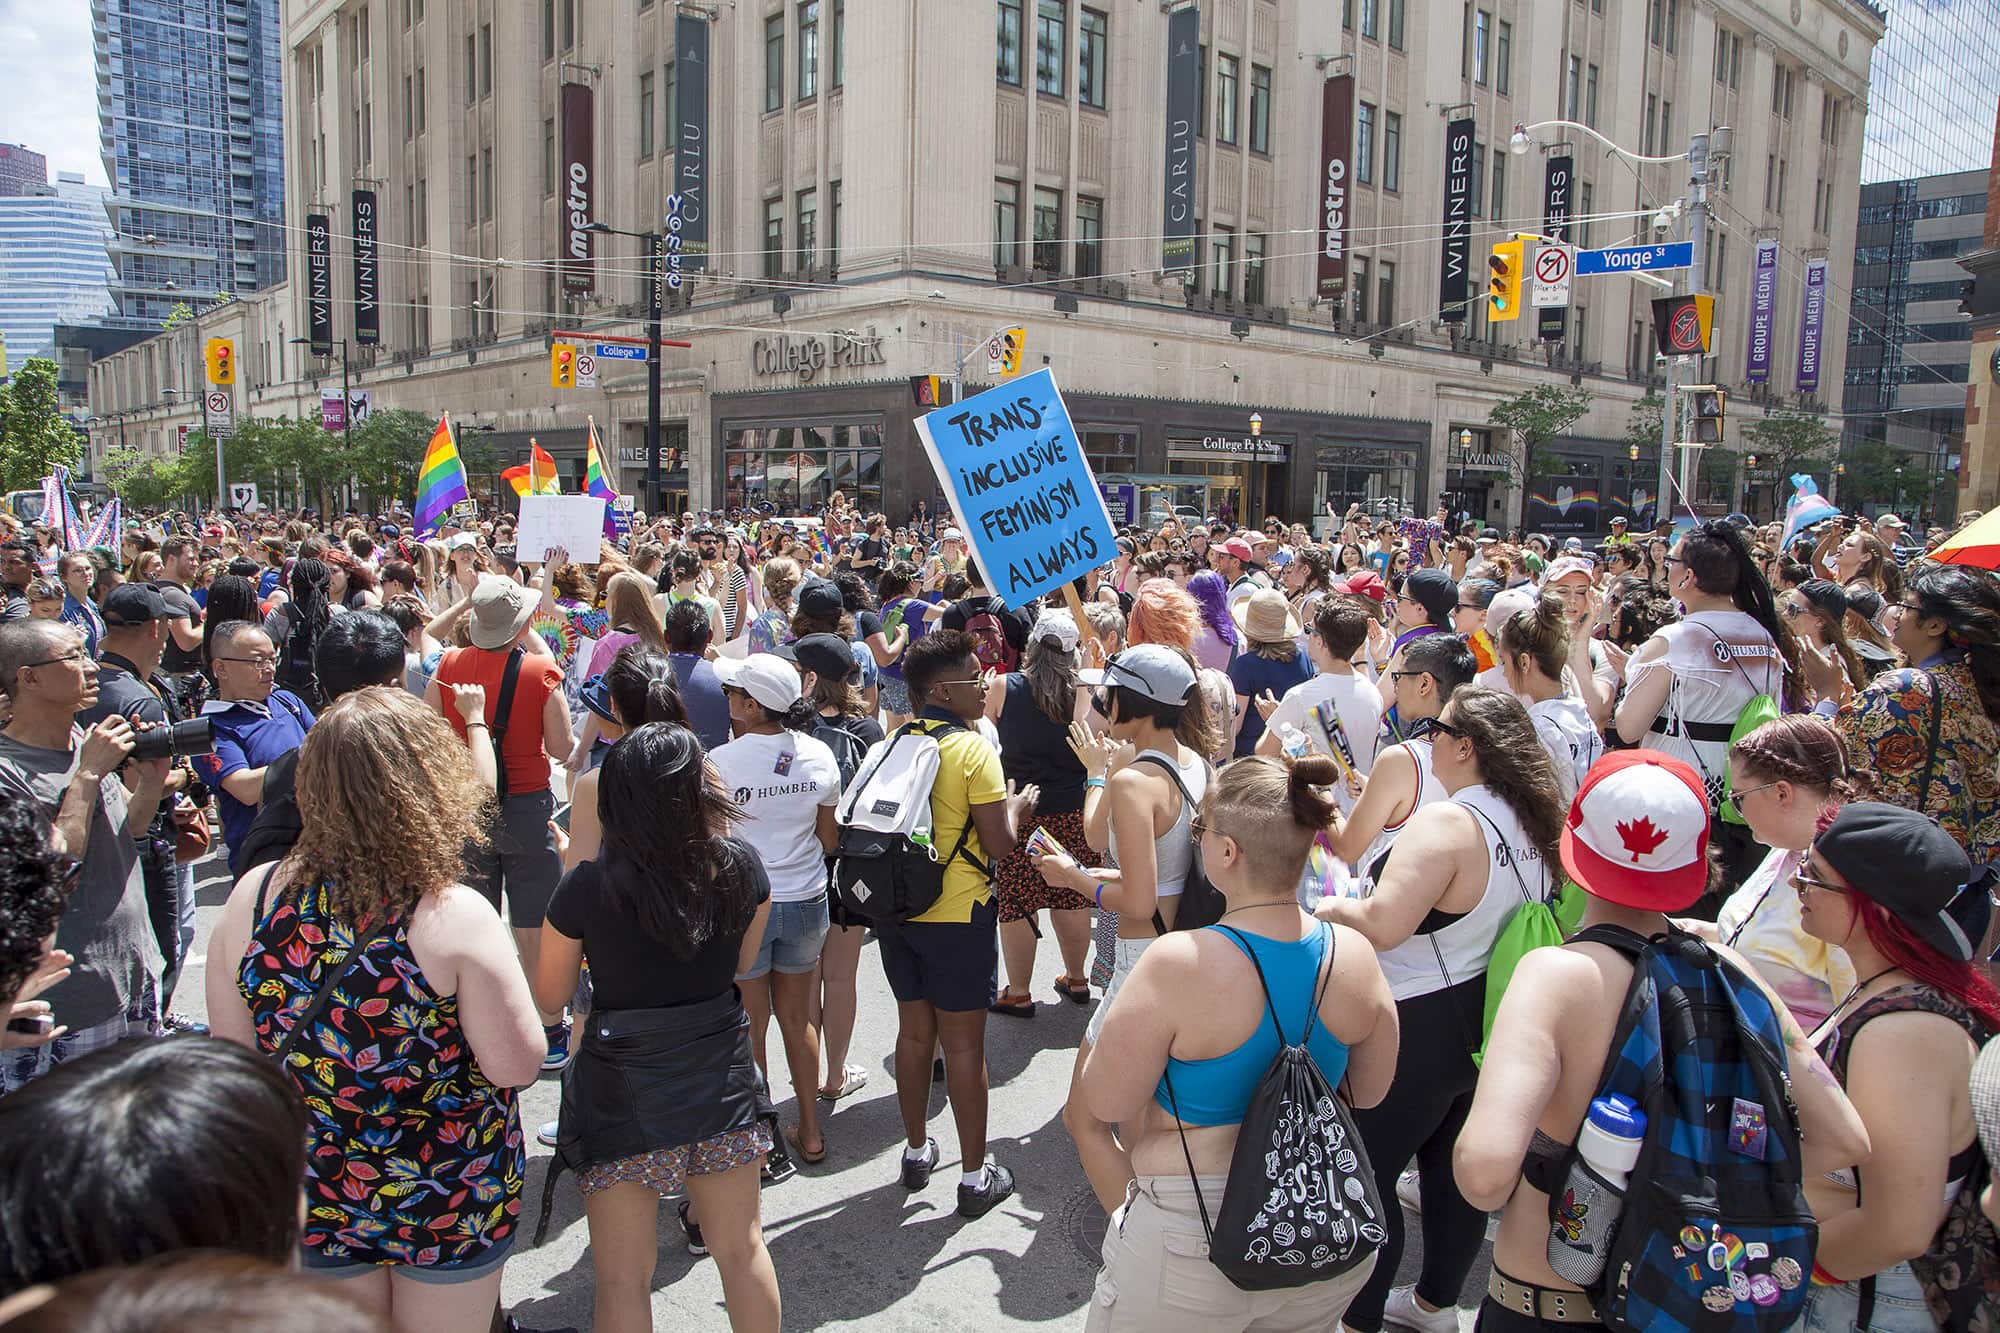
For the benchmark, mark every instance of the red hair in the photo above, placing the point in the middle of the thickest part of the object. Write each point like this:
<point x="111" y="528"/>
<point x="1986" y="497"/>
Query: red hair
<point x="1902" y="947"/>
<point x="1163" y="612"/>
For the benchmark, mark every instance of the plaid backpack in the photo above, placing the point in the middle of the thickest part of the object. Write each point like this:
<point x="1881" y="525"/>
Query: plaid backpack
<point x="1715" y="1233"/>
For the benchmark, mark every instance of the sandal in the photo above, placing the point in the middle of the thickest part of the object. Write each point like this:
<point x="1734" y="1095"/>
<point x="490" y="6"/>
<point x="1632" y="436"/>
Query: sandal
<point x="799" y="1147"/>
<point x="1024" y="1007"/>
<point x="1074" y="989"/>
<point x="853" y="1078"/>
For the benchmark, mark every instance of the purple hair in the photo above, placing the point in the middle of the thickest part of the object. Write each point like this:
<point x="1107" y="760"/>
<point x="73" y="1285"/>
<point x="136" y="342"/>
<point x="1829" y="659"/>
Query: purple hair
<point x="1211" y="595"/>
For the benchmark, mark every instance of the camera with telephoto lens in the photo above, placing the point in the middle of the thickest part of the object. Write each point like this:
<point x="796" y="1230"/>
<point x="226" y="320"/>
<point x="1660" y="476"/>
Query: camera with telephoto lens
<point x="175" y="740"/>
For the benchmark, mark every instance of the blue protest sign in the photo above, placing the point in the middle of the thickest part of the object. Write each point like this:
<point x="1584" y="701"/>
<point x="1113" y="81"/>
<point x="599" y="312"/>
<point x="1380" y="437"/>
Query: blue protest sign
<point x="1016" y="477"/>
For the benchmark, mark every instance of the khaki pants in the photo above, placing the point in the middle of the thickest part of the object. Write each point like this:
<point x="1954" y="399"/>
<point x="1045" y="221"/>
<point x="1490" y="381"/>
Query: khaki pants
<point x="1157" y="1277"/>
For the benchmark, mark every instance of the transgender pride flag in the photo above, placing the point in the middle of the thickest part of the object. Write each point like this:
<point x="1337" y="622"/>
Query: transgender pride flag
<point x="441" y="480"/>
<point x="1806" y="508"/>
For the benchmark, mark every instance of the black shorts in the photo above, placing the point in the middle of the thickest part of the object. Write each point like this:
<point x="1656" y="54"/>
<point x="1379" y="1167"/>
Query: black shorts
<point x="951" y="964"/>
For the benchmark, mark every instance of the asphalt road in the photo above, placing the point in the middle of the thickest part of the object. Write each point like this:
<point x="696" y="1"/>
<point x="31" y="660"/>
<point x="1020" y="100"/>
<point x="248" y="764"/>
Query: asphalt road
<point x="852" y="1249"/>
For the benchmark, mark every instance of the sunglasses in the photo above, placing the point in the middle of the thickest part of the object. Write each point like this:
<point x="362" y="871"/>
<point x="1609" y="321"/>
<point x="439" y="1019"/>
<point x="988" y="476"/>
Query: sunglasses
<point x="1735" y="798"/>
<point x="1435" y="726"/>
<point x="1802" y="880"/>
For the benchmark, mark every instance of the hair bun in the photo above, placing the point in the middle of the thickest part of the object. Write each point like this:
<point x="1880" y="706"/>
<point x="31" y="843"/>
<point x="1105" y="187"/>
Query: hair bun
<point x="1311" y="807"/>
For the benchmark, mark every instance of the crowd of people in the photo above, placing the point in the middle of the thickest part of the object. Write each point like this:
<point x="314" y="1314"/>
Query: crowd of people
<point x="1295" y="787"/>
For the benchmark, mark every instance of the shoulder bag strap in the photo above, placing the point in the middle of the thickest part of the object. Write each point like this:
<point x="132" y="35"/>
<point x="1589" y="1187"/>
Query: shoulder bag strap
<point x="510" y="680"/>
<point x="1160" y="762"/>
<point x="1930" y="750"/>
<point x="321" y="998"/>
<point x="1501" y="838"/>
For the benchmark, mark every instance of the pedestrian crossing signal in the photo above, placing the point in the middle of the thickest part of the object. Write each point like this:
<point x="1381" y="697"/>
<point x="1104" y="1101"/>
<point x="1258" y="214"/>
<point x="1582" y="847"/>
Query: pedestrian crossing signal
<point x="1503" y="281"/>
<point x="924" y="391"/>
<point x="562" y="365"/>
<point x="1709" y="405"/>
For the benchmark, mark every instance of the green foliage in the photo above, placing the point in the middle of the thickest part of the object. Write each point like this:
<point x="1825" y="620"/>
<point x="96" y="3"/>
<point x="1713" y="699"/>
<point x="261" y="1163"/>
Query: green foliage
<point x="143" y="481"/>
<point x="1788" y="441"/>
<point x="178" y="314"/>
<point x="1541" y="414"/>
<point x="386" y="452"/>
<point x="1643" y="429"/>
<point x="34" y="436"/>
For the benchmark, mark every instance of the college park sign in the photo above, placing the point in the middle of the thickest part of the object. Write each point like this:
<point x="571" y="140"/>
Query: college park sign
<point x="806" y="357"/>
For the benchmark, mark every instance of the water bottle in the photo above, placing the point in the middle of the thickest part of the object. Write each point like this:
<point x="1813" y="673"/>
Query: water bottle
<point x="1293" y="741"/>
<point x="1593" y="1194"/>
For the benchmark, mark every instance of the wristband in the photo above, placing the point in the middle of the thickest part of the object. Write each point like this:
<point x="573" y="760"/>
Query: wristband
<point x="476" y="722"/>
<point x="1101" y="887"/>
<point x="1089" y="783"/>
<point x="1822" y="1278"/>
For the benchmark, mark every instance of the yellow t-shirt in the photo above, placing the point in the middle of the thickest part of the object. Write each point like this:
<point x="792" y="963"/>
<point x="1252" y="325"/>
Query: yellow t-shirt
<point x="968" y="775"/>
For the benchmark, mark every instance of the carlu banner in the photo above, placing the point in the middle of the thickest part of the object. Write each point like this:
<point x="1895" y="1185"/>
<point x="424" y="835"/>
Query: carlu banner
<point x="1014" y="471"/>
<point x="691" y="148"/>
<point x="1177" y="241"/>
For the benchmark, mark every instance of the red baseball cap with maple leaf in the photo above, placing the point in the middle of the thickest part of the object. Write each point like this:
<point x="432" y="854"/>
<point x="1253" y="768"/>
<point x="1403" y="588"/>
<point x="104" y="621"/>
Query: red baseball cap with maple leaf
<point x="1637" y="833"/>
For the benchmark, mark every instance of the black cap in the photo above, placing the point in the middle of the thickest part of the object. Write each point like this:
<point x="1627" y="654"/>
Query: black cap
<point x="136" y="604"/>
<point x="1910" y="866"/>
<point x="823" y="655"/>
<point x="1435" y="591"/>
<point x="820" y="598"/>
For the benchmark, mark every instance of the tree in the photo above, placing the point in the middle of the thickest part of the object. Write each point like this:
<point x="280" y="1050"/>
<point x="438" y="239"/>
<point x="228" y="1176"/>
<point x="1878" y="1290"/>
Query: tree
<point x="1788" y="441"/>
<point x="1643" y="429"/>
<point x="143" y="481"/>
<point x="1538" y="415"/>
<point x="34" y="436"/>
<point x="386" y="452"/>
<point x="1871" y="477"/>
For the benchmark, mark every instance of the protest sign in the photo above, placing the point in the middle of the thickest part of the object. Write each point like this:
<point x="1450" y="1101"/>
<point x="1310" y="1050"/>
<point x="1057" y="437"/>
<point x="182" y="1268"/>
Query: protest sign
<point x="573" y="522"/>
<point x="1016" y="477"/>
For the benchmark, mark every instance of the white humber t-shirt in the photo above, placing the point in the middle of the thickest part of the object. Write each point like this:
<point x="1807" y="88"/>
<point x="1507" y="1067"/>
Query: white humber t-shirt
<point x="780" y="781"/>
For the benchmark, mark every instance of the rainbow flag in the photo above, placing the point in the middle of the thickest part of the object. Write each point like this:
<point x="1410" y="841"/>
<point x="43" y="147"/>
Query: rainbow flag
<point x="517" y="477"/>
<point x="596" y="483"/>
<point x="542" y="477"/>
<point x="441" y="480"/>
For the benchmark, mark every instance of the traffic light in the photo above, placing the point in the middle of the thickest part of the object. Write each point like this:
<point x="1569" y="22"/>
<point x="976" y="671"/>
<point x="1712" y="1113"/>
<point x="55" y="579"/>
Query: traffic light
<point x="562" y="365"/>
<point x="1709" y="404"/>
<point x="1012" y="343"/>
<point x="221" y="361"/>
<point x="1503" y="281"/>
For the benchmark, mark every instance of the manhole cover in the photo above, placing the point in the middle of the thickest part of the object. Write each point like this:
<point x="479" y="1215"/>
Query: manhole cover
<point x="1083" y="1221"/>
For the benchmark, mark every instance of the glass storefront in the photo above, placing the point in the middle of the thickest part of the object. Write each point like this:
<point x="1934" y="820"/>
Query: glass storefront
<point x="1228" y="479"/>
<point x="1563" y="497"/>
<point x="1382" y="481"/>
<point x="798" y="467"/>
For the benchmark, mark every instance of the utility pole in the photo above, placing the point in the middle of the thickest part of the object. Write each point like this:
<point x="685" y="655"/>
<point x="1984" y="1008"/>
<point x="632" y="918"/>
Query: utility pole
<point x="656" y="281"/>
<point x="1672" y="429"/>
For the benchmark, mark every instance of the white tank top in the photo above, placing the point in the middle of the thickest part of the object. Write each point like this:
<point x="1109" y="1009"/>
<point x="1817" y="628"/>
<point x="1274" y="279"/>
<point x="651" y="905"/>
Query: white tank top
<point x="1173" y="851"/>
<point x="1458" y="951"/>
<point x="1573" y="741"/>
<point x="1720" y="661"/>
<point x="1369" y="869"/>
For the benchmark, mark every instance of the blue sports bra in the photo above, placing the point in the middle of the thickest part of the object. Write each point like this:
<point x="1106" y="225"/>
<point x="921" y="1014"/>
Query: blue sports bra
<point x="1216" y="1091"/>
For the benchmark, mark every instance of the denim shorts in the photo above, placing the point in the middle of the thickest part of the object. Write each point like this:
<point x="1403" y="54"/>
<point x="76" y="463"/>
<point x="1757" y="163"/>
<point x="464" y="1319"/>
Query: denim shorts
<point x="1898" y="1306"/>
<point x="792" y="938"/>
<point x="894" y="694"/>
<point x="488" y="1262"/>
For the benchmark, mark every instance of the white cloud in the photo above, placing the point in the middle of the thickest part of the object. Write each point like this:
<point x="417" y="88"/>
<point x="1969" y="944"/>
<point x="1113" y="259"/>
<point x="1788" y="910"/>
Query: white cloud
<point x="50" y="82"/>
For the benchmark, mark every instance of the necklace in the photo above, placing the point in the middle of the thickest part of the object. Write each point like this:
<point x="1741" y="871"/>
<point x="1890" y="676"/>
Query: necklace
<point x="1268" y="902"/>
<point x="1859" y="986"/>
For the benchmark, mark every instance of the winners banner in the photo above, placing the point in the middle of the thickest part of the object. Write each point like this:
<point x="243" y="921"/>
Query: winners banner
<point x="1014" y="472"/>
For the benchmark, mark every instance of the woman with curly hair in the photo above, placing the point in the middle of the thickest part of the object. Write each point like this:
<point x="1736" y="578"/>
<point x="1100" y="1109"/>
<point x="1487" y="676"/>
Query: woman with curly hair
<point x="1860" y="560"/>
<point x="32" y="878"/>
<point x="409" y="1066"/>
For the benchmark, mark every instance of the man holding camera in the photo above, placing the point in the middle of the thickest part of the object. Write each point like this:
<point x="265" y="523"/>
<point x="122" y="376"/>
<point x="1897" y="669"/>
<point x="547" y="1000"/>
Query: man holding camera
<point x="138" y="621"/>
<point x="72" y="776"/>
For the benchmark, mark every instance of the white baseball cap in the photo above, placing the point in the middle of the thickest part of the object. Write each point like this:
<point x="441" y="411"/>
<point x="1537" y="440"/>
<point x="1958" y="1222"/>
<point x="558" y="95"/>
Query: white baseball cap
<point x="765" y="677"/>
<point x="1565" y="566"/>
<point x="1637" y="833"/>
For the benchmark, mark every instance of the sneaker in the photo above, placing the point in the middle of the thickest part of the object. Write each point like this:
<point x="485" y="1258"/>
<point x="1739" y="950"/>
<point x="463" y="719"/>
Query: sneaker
<point x="558" y="1056"/>
<point x="778" y="1166"/>
<point x="546" y="1135"/>
<point x="182" y="1023"/>
<point x="937" y="1069"/>
<point x="692" y="1230"/>
<point x="979" y="1202"/>
<point x="917" y="1171"/>
<point x="1403" y="1311"/>
<point x="1408" y="1191"/>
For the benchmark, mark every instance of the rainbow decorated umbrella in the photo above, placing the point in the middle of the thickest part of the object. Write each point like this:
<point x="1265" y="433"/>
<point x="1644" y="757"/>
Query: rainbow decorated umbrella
<point x="1978" y="544"/>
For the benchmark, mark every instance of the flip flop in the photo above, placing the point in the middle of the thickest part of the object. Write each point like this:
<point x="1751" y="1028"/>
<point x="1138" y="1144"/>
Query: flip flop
<point x="1024" y="1007"/>
<point x="853" y="1079"/>
<point x="799" y="1147"/>
<point x="1074" y="989"/>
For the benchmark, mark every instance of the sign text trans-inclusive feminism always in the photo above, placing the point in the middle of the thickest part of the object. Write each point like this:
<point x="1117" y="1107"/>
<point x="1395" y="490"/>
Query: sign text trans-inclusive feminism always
<point x="1016" y="476"/>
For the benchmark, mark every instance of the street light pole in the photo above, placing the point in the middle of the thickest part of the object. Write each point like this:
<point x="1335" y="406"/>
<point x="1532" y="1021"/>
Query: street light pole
<point x="1697" y="216"/>
<point x="656" y="281"/>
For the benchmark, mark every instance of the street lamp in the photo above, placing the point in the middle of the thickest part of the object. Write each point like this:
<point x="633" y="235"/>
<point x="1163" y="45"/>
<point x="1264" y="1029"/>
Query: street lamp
<point x="656" y="281"/>
<point x="1518" y="145"/>
<point x="1632" y="452"/>
<point x="1256" y="424"/>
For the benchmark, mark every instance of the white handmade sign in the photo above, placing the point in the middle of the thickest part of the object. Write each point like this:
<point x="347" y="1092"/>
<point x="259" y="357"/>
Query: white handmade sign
<point x="573" y="522"/>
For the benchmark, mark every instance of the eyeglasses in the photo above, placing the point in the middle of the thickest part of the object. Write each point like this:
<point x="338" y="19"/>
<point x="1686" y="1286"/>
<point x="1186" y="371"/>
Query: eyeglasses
<point x="1735" y="798"/>
<point x="1802" y="880"/>
<point x="1400" y="675"/>
<point x="1792" y="610"/>
<point x="1198" y="826"/>
<point x="943" y="684"/>
<point x="78" y="656"/>
<point x="1433" y="726"/>
<point x="254" y="663"/>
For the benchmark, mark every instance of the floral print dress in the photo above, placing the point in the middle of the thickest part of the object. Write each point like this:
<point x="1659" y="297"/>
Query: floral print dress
<point x="415" y="1158"/>
<point x="1887" y="732"/>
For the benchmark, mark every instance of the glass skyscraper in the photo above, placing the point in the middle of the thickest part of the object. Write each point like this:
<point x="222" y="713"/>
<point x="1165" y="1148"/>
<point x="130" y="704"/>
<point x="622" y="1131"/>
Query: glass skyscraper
<point x="190" y="126"/>
<point x="53" y="268"/>
<point x="1931" y="89"/>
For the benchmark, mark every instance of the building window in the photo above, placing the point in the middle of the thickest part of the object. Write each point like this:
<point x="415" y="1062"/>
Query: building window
<point x="1093" y="43"/>
<point x="774" y="237"/>
<point x="1051" y="23"/>
<point x="409" y="109"/>
<point x="1048" y="230"/>
<point x="839" y="43"/>
<point x="548" y="156"/>
<point x="1007" y="59"/>
<point x="1481" y="22"/>
<point x="808" y="49"/>
<point x="1476" y="187"/>
<point x="486" y="184"/>
<point x="1673" y="26"/>
<point x="1385" y="287"/>
<point x="1006" y="224"/>
<point x="1361" y="292"/>
<point x="1253" y="268"/>
<point x="645" y="115"/>
<point x="485" y="60"/>
<point x="1224" y="250"/>
<point x="671" y="143"/>
<point x="1396" y="18"/>
<point x="1226" y="78"/>
<point x="1347" y="15"/>
<point x="1260" y="109"/>
<point x="1572" y="88"/>
<point x="1201" y="84"/>
<point x="1089" y="236"/>
<point x="774" y="62"/>
<point x="548" y="29"/>
<point x="422" y="115"/>
<point x="1781" y="92"/>
<point x="1666" y="124"/>
<point x="471" y="69"/>
<point x="1370" y="17"/>
<point x="1590" y="97"/>
<point x="1499" y="183"/>
<point x="1392" y="150"/>
<point x="1655" y="21"/>
<point x="1581" y="226"/>
<point x="568" y="11"/>
<point x="1503" y="58"/>
<point x="833" y="225"/>
<point x="1646" y="139"/>
<point x="1364" y="142"/>
<point x="807" y="227"/>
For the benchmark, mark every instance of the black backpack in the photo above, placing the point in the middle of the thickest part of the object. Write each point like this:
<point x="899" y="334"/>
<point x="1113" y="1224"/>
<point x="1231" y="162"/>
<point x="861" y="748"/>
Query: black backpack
<point x="1300" y="1204"/>
<point x="846" y="746"/>
<point x="1201" y="902"/>
<point x="295" y="661"/>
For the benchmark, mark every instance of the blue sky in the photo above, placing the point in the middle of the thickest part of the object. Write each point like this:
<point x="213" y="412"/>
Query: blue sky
<point x="51" y="90"/>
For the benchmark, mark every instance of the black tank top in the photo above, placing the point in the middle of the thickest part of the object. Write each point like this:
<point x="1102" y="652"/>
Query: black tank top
<point x="1034" y="749"/>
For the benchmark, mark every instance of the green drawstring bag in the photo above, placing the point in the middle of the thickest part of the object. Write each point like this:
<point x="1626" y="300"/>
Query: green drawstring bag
<point x="1534" y="925"/>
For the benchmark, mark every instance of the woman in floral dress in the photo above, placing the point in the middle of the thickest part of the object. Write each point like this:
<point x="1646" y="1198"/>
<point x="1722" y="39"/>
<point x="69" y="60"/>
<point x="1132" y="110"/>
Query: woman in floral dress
<point x="408" y="1071"/>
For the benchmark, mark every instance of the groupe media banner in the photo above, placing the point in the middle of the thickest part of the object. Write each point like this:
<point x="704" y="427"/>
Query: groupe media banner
<point x="319" y="284"/>
<point x="1557" y="174"/>
<point x="1336" y="157"/>
<point x="1177" y="248"/>
<point x="1763" y="311"/>
<point x="691" y="151"/>
<point x="1812" y="321"/>
<point x="1455" y="263"/>
<point x="579" y="186"/>
<point x="367" y="296"/>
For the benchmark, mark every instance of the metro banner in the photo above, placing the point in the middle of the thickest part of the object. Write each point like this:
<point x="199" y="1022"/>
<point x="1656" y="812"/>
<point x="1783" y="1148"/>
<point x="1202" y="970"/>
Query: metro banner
<point x="579" y="190"/>
<point x="1335" y="167"/>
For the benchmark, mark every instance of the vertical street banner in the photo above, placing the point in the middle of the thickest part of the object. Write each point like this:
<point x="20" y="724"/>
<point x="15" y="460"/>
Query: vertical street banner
<point x="1763" y="310"/>
<point x="579" y="186"/>
<point x="319" y="284"/>
<point x="1177" y="244"/>
<point x="367" y="295"/>
<point x="1336" y="156"/>
<point x="1812" y="322"/>
<point x="1455" y="261"/>
<point x="1557" y="173"/>
<point x="691" y="149"/>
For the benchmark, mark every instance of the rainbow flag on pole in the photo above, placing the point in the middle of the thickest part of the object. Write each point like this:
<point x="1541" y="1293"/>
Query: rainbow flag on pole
<point x="542" y="476"/>
<point x="441" y="480"/>
<point x="597" y="483"/>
